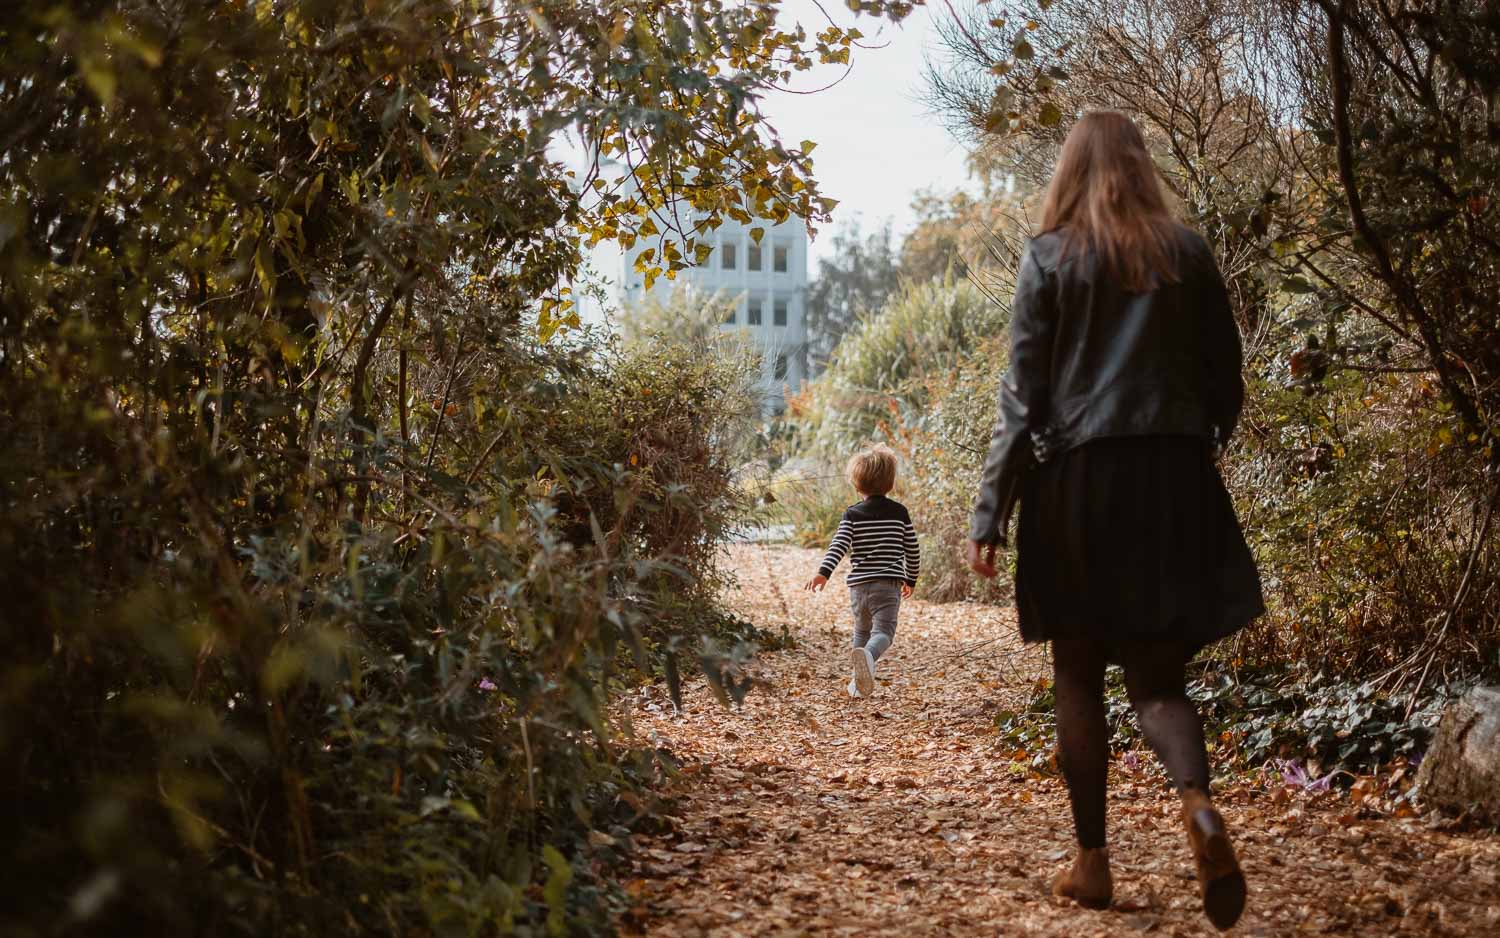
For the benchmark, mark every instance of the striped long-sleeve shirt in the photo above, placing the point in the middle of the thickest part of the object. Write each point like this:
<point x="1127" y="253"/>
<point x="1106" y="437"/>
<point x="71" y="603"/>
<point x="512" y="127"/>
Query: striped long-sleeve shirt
<point x="880" y="541"/>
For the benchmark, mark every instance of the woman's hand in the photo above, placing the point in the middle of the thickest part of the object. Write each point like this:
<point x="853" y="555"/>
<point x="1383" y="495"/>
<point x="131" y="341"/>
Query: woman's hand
<point x="905" y="590"/>
<point x="981" y="558"/>
<point x="816" y="583"/>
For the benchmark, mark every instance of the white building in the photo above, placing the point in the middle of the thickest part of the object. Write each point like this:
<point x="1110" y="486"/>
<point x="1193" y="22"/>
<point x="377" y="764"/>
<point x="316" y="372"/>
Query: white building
<point x="768" y="280"/>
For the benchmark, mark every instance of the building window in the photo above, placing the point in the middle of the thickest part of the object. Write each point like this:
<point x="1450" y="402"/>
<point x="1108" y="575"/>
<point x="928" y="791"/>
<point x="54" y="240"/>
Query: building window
<point x="752" y="313"/>
<point x="731" y="315"/>
<point x="779" y="258"/>
<point x="754" y="259"/>
<point x="778" y="313"/>
<point x="726" y="251"/>
<point x="780" y="367"/>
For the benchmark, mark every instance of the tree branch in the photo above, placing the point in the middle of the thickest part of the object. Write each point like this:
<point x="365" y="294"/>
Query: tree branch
<point x="1406" y="295"/>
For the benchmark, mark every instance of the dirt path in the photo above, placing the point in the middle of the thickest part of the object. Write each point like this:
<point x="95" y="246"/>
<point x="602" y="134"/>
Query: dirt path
<point x="806" y="812"/>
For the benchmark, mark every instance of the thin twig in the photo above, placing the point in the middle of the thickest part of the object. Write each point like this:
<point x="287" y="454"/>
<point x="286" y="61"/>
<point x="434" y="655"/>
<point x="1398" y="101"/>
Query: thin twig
<point x="526" y="747"/>
<point x="1458" y="598"/>
<point x="437" y="430"/>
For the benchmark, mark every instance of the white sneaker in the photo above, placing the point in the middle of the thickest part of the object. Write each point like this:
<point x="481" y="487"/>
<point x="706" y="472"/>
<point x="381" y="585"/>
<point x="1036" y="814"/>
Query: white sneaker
<point x="864" y="671"/>
<point x="853" y="690"/>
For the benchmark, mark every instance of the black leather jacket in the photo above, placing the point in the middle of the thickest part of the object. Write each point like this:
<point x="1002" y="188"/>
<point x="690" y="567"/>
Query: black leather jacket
<point x="1089" y="360"/>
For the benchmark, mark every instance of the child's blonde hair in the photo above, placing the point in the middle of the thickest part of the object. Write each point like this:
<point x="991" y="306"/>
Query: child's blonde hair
<point x="872" y="471"/>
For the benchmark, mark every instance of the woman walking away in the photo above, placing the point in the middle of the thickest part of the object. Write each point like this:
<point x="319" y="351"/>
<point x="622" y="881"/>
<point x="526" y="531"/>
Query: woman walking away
<point x="1124" y="384"/>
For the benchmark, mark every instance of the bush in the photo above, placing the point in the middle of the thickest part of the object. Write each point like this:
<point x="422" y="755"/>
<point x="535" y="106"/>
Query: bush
<point x="253" y="714"/>
<point x="812" y="504"/>
<point x="945" y="448"/>
<point x="879" y="374"/>
<point x="1362" y="530"/>
<point x="1319" y="730"/>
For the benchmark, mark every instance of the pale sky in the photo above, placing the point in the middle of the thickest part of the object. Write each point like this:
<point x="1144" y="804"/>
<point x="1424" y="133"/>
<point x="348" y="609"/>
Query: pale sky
<point x="877" y="145"/>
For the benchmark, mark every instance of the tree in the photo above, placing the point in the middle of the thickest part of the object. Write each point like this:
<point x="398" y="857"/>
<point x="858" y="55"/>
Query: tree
<point x="963" y="235"/>
<point x="854" y="282"/>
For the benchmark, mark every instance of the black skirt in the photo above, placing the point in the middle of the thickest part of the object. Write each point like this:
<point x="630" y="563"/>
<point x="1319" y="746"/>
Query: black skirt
<point x="1132" y="539"/>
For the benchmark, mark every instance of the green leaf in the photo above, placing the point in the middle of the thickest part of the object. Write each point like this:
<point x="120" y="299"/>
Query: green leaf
<point x="147" y="52"/>
<point x="313" y="191"/>
<point x="555" y="892"/>
<point x="265" y="268"/>
<point x="99" y="76"/>
<point x="285" y="665"/>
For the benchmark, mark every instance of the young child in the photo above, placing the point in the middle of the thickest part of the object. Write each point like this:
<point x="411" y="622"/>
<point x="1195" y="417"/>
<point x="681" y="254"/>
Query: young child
<point x="883" y="561"/>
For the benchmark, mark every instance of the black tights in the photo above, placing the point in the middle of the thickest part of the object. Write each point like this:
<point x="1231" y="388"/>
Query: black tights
<point x="1155" y="682"/>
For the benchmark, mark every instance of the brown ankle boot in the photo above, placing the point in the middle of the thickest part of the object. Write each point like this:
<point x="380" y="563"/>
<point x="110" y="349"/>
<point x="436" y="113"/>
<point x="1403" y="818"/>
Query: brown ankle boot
<point x="1220" y="881"/>
<point x="1088" y="882"/>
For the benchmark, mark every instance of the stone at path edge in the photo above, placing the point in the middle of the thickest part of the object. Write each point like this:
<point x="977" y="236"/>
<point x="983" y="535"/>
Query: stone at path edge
<point x="1461" y="771"/>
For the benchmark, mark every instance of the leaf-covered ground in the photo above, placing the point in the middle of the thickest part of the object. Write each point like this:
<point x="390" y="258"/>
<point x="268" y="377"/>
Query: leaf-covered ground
<point x="806" y="812"/>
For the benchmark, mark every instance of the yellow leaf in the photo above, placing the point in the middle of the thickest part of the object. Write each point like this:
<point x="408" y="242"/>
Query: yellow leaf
<point x="756" y="234"/>
<point x="99" y="76"/>
<point x="546" y="328"/>
<point x="265" y="268"/>
<point x="313" y="191"/>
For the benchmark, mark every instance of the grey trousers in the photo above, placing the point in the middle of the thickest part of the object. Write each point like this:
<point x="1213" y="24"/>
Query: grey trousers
<point x="875" y="605"/>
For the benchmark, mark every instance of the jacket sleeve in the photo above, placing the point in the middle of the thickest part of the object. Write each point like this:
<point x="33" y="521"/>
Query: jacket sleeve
<point x="843" y="539"/>
<point x="912" y="549"/>
<point x="1024" y="395"/>
<point x="1224" y="361"/>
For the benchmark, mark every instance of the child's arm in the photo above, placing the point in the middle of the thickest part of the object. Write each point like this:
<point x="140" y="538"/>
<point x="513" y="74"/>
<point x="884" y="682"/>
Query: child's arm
<point x="842" y="540"/>
<point x="913" y="557"/>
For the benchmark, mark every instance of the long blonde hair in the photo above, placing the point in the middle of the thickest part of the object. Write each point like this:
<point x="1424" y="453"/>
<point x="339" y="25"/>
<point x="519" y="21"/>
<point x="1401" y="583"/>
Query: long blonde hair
<point x="1105" y="196"/>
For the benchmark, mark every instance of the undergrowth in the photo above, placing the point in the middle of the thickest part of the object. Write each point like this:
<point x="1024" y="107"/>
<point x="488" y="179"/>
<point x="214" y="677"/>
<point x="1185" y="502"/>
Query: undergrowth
<point x="1326" y="732"/>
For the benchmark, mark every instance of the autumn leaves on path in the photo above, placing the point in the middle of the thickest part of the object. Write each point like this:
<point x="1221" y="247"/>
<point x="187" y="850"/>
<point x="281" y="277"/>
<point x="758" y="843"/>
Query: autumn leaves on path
<point x="806" y="812"/>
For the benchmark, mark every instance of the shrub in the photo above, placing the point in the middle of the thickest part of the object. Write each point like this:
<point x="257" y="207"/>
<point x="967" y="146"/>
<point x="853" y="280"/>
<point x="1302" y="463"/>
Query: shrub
<point x="811" y="504"/>
<point x="229" y="716"/>
<point x="879" y="373"/>
<point x="1362" y="531"/>
<point x="944" y="447"/>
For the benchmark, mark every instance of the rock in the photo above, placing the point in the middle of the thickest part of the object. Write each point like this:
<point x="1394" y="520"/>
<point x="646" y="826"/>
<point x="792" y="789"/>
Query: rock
<point x="1461" y="771"/>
